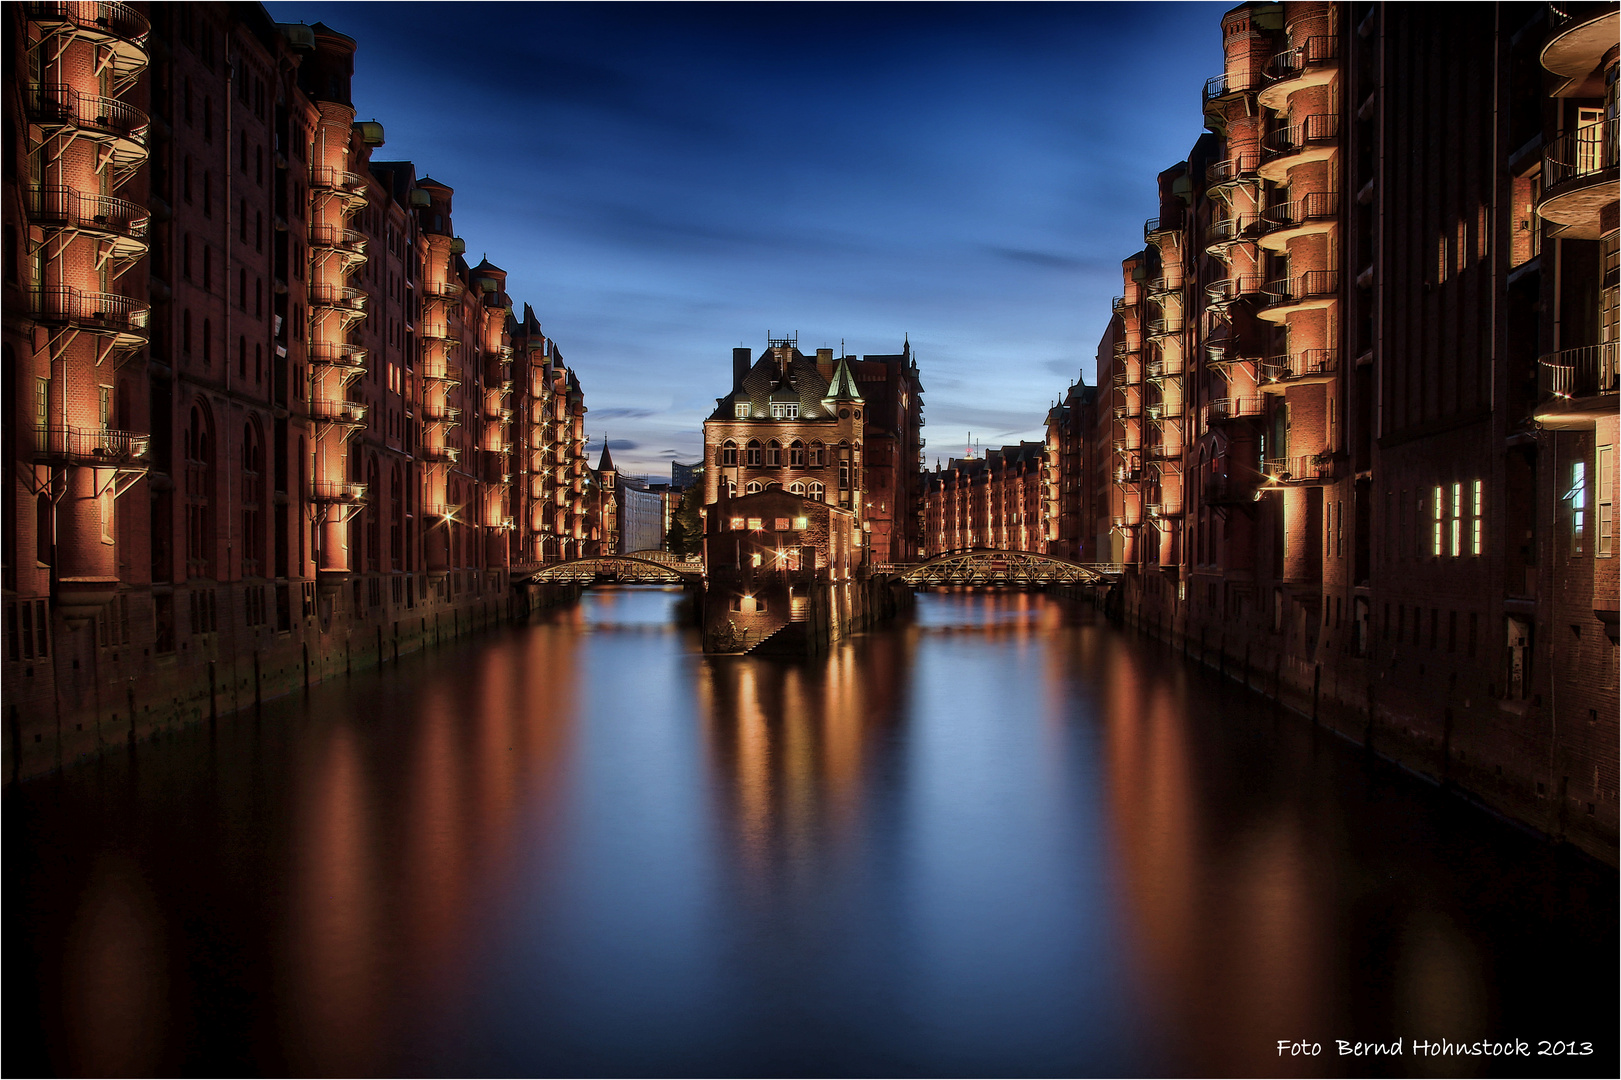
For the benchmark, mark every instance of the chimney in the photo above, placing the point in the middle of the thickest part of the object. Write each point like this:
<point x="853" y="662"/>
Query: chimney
<point x="742" y="360"/>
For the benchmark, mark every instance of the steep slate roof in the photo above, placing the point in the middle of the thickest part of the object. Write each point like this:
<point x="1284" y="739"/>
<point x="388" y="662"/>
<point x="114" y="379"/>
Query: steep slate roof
<point x="844" y="385"/>
<point x="607" y="462"/>
<point x="761" y="386"/>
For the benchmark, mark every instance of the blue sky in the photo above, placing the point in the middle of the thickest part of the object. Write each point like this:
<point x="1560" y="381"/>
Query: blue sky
<point x="665" y="182"/>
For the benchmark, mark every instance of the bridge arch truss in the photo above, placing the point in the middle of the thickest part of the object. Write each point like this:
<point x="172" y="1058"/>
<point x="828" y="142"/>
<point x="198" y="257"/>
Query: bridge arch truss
<point x="627" y="569"/>
<point x="990" y="567"/>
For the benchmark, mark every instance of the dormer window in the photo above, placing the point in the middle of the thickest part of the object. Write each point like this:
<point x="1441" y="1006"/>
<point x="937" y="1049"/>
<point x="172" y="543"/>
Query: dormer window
<point x="785" y="410"/>
<point x="741" y="410"/>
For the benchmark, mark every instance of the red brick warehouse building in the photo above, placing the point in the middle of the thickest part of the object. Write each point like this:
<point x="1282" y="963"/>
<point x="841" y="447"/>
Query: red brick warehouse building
<point x="264" y="421"/>
<point x="1360" y="422"/>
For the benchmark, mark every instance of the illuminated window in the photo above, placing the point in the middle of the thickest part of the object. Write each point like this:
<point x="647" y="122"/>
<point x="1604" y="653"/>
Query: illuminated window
<point x="816" y="491"/>
<point x="785" y="410"/>
<point x="737" y="524"/>
<point x="1606" y="506"/>
<point x="1475" y="540"/>
<point x="781" y="524"/>
<point x="1577" y="497"/>
<point x="755" y="487"/>
<point x="1457" y="520"/>
<point x="797" y="487"/>
<point x="754" y="523"/>
<point x="801" y="523"/>
<point x="1436" y="520"/>
<point x="741" y="410"/>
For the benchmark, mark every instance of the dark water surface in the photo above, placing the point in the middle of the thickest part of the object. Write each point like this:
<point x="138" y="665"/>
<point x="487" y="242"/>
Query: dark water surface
<point x="999" y="838"/>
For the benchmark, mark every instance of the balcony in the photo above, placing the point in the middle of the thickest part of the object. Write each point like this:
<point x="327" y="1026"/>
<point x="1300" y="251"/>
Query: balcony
<point x="1579" y="176"/>
<point x="1125" y="475"/>
<point x="439" y="455"/>
<point x="1122" y="522"/>
<point x="1164" y="367"/>
<point x="1164" y="326"/>
<point x="1302" y="292"/>
<point x="122" y="317"/>
<point x="1162" y="288"/>
<point x="1161" y="510"/>
<point x="340" y="297"/>
<point x="338" y="411"/>
<point x="1222" y="234"/>
<point x="1128" y="410"/>
<point x="103" y="22"/>
<point x="441" y="370"/>
<point x="343" y="492"/>
<point x="1230" y="410"/>
<point x="1313" y="139"/>
<point x="1229" y="86"/>
<point x="1227" y="291"/>
<point x="89" y="446"/>
<point x="348" y="242"/>
<point x="1579" y="34"/>
<point x="121" y="128"/>
<point x="118" y="221"/>
<point x="1163" y="452"/>
<point x="1121" y="306"/>
<point x="1577" y="385"/>
<point x="1299" y="469"/>
<point x="352" y="186"/>
<point x="1238" y="169"/>
<point x="442" y="290"/>
<point x="1298" y="369"/>
<point x="440" y="413"/>
<point x="1156" y="229"/>
<point x="1311" y="63"/>
<point x="1315" y="212"/>
<point x="350" y="360"/>
<point x="1129" y="375"/>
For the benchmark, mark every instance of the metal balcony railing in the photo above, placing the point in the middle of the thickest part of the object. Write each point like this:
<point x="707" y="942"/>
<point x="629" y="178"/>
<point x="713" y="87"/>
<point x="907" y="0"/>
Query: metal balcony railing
<point x="59" y="105"/>
<point x="1227" y="84"/>
<point x="90" y="446"/>
<point x="1167" y="324"/>
<point x="441" y="371"/>
<point x="1318" y="129"/>
<point x="341" y="180"/>
<point x="1163" y="367"/>
<point x="1243" y="166"/>
<point x="1580" y="372"/>
<point x="1129" y="410"/>
<point x="1230" y="290"/>
<point x="1229" y="229"/>
<point x="1120" y="305"/>
<point x="338" y="491"/>
<point x="1235" y="408"/>
<point x="338" y="355"/>
<point x="1316" y="50"/>
<point x="95" y="312"/>
<point x="339" y="238"/>
<point x="440" y="413"/>
<point x="1155" y="227"/>
<point x="113" y="19"/>
<point x="337" y="296"/>
<point x="1311" y="285"/>
<point x="67" y="207"/>
<point x="1314" y="206"/>
<point x="1123" y="475"/>
<point x="439" y="455"/>
<point x="1300" y="365"/>
<point x="1581" y="155"/>
<point x="337" y="411"/>
<point x="1299" y="469"/>
<point x="443" y="290"/>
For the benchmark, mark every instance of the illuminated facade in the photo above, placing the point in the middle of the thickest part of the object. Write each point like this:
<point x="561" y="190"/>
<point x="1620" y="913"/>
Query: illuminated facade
<point x="1360" y="423"/>
<point x="262" y="413"/>
<point x="997" y="501"/>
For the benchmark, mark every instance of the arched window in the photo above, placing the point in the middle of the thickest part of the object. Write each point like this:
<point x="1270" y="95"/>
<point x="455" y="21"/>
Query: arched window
<point x="773" y="453"/>
<point x="755" y="487"/>
<point x="731" y="488"/>
<point x="816" y="491"/>
<point x="796" y="454"/>
<point x="754" y="452"/>
<point x="818" y="456"/>
<point x="797" y="487"/>
<point x="728" y="453"/>
<point x="396" y="520"/>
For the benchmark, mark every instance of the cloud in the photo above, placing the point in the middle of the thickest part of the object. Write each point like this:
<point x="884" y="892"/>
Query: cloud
<point x="622" y="444"/>
<point x="629" y="414"/>
<point x="1046" y="259"/>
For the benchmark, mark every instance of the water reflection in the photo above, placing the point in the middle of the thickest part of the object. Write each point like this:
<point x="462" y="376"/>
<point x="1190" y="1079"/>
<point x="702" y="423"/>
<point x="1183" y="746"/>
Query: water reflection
<point x="998" y="838"/>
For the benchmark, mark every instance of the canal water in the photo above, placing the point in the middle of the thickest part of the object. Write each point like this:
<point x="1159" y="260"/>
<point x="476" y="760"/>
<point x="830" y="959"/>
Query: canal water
<point x="1000" y="837"/>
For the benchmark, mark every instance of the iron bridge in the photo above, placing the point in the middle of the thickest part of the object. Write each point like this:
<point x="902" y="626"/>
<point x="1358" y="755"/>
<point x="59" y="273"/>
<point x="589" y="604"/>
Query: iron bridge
<point x="625" y="569"/>
<point x="985" y="566"/>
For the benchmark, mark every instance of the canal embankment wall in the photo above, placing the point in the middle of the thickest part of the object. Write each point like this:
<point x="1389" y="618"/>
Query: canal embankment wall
<point x="86" y="697"/>
<point x="1413" y="709"/>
